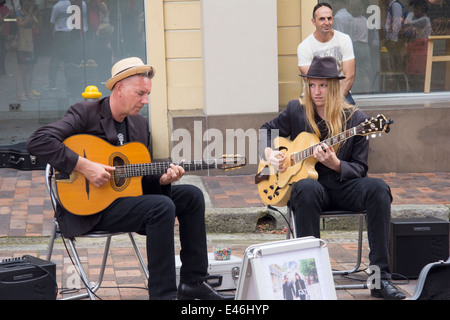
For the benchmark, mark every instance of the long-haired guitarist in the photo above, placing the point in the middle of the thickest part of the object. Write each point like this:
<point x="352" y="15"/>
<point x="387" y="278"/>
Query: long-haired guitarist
<point x="341" y="169"/>
<point x="116" y="120"/>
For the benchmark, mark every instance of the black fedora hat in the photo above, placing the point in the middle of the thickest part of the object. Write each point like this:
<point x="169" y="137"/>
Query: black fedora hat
<point x="323" y="68"/>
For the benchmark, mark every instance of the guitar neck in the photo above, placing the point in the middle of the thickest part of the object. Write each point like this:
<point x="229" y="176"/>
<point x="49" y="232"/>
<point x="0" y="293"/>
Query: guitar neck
<point x="308" y="152"/>
<point x="144" y="169"/>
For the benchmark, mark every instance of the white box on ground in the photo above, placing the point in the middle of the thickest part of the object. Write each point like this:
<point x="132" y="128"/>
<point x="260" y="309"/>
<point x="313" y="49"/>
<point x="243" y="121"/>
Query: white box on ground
<point x="224" y="274"/>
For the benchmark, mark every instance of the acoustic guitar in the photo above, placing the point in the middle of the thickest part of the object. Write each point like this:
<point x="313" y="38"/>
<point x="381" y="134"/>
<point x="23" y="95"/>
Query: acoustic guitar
<point x="132" y="161"/>
<point x="274" y="187"/>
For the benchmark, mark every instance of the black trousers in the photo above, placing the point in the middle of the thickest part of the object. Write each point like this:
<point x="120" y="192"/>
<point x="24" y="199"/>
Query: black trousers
<point x="309" y="198"/>
<point x="154" y="216"/>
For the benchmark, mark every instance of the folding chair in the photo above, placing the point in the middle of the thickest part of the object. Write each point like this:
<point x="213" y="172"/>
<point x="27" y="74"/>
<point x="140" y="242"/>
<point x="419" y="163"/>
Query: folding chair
<point x="338" y="214"/>
<point x="91" y="288"/>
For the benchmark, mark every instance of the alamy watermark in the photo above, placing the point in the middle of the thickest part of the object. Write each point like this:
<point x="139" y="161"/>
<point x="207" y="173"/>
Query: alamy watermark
<point x="374" y="279"/>
<point x="212" y="143"/>
<point x="73" y="280"/>
<point x="373" y="21"/>
<point x="74" y="20"/>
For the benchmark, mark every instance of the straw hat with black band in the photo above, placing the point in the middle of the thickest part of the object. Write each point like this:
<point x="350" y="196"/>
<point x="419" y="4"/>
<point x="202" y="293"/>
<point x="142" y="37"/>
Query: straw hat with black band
<point x="126" y="68"/>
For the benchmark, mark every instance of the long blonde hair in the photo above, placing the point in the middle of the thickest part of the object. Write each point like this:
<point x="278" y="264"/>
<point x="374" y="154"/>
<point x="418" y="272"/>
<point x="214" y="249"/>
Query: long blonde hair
<point x="336" y="110"/>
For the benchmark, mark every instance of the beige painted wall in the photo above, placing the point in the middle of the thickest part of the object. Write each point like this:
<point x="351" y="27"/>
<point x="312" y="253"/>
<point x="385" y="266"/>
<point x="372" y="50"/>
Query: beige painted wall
<point x="182" y="24"/>
<point x="240" y="71"/>
<point x="174" y="40"/>
<point x="156" y="56"/>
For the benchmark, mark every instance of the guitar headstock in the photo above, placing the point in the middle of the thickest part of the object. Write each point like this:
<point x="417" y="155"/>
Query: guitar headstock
<point x="228" y="162"/>
<point x="373" y="125"/>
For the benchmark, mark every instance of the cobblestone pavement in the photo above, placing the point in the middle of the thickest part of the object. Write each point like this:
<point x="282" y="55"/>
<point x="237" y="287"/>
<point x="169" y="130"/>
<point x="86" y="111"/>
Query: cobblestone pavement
<point x="26" y="217"/>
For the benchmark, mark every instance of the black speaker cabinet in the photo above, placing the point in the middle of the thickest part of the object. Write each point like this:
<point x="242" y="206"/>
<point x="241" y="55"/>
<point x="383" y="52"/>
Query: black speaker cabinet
<point x="415" y="242"/>
<point x="27" y="278"/>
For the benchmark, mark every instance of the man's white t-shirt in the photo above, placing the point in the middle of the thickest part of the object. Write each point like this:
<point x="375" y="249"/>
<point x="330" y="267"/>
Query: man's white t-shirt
<point x="340" y="47"/>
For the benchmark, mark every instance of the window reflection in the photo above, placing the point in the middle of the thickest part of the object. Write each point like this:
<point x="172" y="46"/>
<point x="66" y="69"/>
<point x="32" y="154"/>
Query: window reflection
<point x="390" y="41"/>
<point x="50" y="50"/>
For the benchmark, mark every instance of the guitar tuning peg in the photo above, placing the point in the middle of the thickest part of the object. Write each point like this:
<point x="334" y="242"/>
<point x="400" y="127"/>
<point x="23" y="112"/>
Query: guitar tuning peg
<point x="374" y="135"/>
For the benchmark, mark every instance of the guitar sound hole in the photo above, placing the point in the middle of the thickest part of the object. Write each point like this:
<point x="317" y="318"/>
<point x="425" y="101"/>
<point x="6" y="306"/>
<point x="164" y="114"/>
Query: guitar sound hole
<point x="118" y="178"/>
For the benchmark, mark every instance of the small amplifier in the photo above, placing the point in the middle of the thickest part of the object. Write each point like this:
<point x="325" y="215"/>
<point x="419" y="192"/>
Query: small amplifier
<point x="415" y="242"/>
<point x="27" y="278"/>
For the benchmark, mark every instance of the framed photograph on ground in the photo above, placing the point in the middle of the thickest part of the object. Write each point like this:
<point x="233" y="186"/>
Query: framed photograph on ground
<point x="296" y="269"/>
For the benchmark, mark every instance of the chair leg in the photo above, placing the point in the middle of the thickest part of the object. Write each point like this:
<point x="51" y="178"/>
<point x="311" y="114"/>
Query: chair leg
<point x="291" y="220"/>
<point x="139" y="255"/>
<point x="358" y="262"/>
<point x="291" y="224"/>
<point x="359" y="250"/>
<point x="90" y="290"/>
<point x="51" y="241"/>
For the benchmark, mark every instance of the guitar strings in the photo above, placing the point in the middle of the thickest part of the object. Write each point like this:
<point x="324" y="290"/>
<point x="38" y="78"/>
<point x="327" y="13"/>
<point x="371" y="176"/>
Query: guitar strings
<point x="308" y="152"/>
<point x="141" y="169"/>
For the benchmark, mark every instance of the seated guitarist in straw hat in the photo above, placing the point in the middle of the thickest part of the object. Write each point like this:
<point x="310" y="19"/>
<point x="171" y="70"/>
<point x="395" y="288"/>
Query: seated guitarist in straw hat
<point x="116" y="119"/>
<point x="342" y="182"/>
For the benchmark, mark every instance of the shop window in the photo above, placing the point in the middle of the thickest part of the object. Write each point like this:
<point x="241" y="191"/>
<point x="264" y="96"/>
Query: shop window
<point x="45" y="66"/>
<point x="390" y="40"/>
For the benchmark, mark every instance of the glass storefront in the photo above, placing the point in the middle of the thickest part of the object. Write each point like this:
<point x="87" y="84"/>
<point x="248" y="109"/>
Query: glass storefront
<point x="50" y="56"/>
<point x="43" y="71"/>
<point x="390" y="42"/>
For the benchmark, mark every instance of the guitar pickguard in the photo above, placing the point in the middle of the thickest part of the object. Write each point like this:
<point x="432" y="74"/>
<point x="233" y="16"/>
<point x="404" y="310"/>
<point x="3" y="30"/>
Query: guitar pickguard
<point x="63" y="178"/>
<point x="271" y="191"/>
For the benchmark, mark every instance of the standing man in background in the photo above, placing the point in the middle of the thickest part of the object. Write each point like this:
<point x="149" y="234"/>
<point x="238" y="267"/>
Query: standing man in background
<point x="326" y="41"/>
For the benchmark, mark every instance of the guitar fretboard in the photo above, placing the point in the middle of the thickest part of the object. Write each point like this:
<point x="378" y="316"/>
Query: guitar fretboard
<point x="308" y="152"/>
<point x="143" y="169"/>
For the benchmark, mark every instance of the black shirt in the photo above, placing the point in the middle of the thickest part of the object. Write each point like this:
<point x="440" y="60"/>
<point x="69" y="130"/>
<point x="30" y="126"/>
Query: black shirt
<point x="121" y="128"/>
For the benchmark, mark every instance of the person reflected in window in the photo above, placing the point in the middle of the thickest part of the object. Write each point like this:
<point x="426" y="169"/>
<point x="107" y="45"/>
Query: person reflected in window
<point x="360" y="47"/>
<point x="343" y="20"/>
<point x="27" y="20"/>
<point x="98" y="14"/>
<point x="419" y="25"/>
<point x="394" y="43"/>
<point x="4" y="31"/>
<point x="64" y="33"/>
